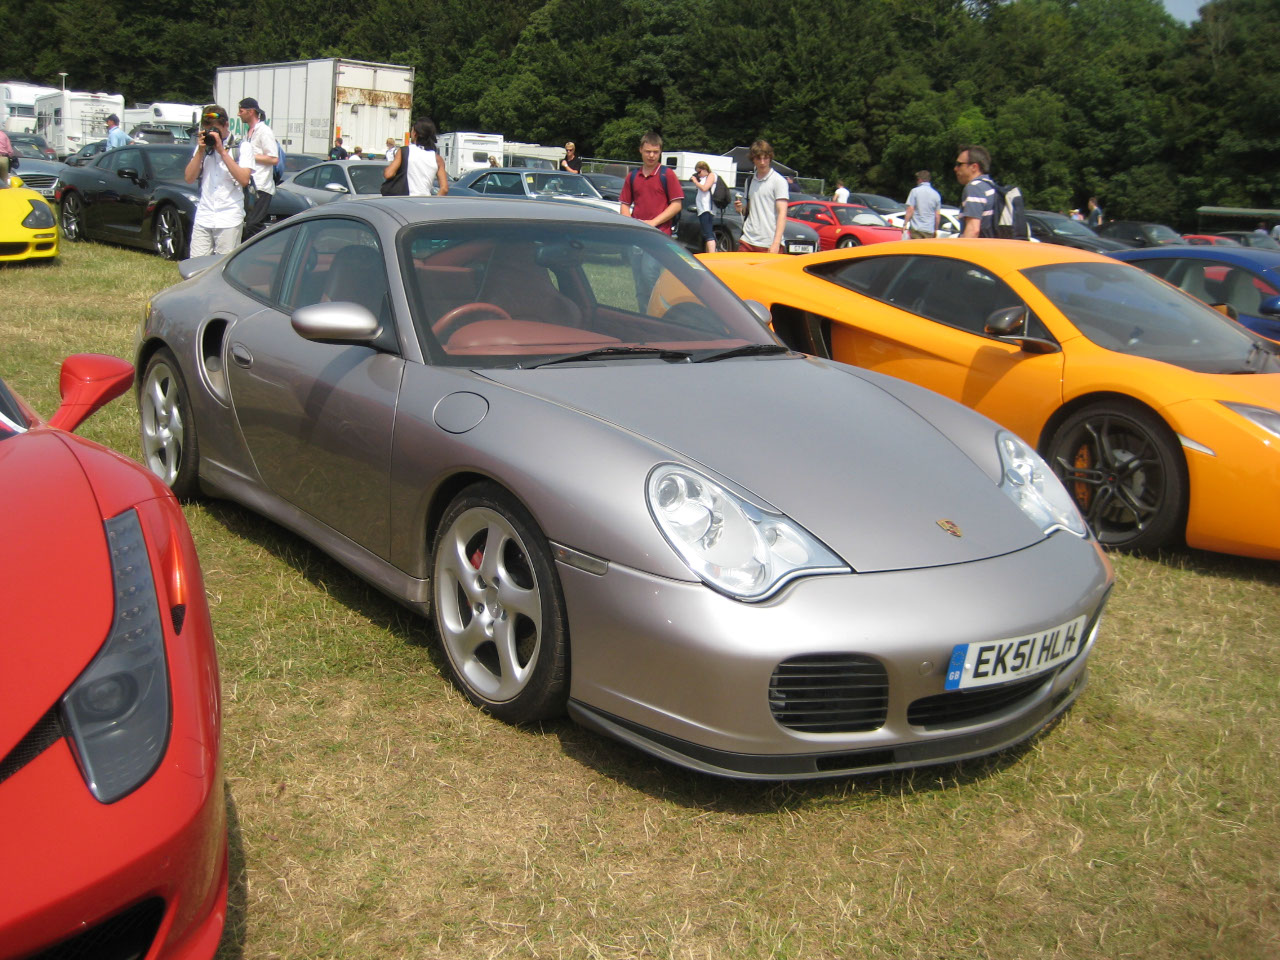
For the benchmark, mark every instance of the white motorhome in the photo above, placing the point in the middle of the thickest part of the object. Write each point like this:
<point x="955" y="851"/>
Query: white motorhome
<point x="532" y="155"/>
<point x="463" y="152"/>
<point x="309" y="103"/>
<point x="19" y="107"/>
<point x="684" y="162"/>
<point x="69" y="119"/>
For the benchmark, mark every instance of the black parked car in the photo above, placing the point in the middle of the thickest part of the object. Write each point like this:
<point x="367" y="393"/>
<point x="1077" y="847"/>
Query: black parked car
<point x="137" y="195"/>
<point x="1134" y="233"/>
<point x="32" y="145"/>
<point x="1055" y="228"/>
<point x="87" y="154"/>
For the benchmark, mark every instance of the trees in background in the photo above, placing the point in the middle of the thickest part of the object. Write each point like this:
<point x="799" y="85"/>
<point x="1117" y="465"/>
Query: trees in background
<point x="1072" y="97"/>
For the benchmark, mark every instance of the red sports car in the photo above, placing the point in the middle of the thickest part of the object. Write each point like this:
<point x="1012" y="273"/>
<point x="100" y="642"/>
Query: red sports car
<point x="842" y="224"/>
<point x="110" y="761"/>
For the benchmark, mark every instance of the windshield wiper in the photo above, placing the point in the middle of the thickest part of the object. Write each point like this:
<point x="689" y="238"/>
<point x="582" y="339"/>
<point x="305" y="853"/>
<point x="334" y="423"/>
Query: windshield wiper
<point x="1259" y="353"/>
<point x="746" y="350"/>
<point x="607" y="353"/>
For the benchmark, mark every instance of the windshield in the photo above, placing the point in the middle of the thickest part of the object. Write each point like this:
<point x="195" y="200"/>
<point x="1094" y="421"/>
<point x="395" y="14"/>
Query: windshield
<point x="499" y="293"/>
<point x="1159" y="233"/>
<point x="170" y="164"/>
<point x="1127" y="310"/>
<point x="367" y="177"/>
<point x="858" y="217"/>
<point x="1066" y="227"/>
<point x="12" y="420"/>
<point x="561" y="185"/>
<point x="882" y="205"/>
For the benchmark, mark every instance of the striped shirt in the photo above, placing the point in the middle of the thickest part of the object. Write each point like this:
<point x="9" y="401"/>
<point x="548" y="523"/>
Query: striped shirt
<point x="980" y="202"/>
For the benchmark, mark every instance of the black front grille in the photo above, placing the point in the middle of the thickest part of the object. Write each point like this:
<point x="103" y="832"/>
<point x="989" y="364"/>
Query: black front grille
<point x="829" y="693"/>
<point x="46" y="732"/>
<point x="13" y="249"/>
<point x="960" y="706"/>
<point x="125" y="936"/>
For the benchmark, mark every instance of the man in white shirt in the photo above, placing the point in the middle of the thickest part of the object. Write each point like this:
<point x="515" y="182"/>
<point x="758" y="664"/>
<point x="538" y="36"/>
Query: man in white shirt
<point x="842" y="193"/>
<point x="258" y="154"/>
<point x="220" y="209"/>
<point x="766" y="204"/>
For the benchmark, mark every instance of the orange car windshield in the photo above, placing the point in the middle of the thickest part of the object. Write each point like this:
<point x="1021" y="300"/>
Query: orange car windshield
<point x="1125" y="309"/>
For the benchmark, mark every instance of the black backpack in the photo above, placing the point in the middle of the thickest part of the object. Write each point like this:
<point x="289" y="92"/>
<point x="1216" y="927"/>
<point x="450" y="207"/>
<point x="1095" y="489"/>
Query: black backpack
<point x="1010" y="222"/>
<point x="720" y="193"/>
<point x="666" y="192"/>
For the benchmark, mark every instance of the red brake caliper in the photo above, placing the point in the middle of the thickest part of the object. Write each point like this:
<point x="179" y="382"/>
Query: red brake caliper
<point x="1083" y="461"/>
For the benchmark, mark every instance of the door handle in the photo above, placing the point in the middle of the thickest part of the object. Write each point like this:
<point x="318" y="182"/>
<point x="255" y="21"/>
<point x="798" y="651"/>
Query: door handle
<point x="241" y="355"/>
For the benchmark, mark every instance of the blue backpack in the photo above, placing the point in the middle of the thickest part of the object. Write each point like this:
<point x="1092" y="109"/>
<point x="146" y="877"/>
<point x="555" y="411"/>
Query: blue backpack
<point x="278" y="173"/>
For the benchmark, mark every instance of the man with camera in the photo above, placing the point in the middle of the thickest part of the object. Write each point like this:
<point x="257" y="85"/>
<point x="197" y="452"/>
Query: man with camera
<point x="220" y="209"/>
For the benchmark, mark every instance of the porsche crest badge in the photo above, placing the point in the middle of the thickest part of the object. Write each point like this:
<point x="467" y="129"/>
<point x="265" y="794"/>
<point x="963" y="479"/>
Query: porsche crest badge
<point x="951" y="527"/>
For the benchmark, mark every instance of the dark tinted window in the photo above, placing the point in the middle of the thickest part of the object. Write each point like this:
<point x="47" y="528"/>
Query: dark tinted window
<point x="367" y="177"/>
<point x="254" y="268"/>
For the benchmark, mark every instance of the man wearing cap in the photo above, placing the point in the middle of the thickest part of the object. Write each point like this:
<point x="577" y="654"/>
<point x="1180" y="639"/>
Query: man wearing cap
<point x="115" y="136"/>
<point x="258" y="154"/>
<point x="220" y="209"/>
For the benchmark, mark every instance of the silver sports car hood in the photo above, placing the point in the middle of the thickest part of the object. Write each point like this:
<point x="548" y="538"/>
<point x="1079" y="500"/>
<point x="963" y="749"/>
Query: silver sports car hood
<point x="821" y="442"/>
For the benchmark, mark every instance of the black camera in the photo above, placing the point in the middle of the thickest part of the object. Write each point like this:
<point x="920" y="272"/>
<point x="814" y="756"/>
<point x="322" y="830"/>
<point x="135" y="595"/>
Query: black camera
<point x="209" y="137"/>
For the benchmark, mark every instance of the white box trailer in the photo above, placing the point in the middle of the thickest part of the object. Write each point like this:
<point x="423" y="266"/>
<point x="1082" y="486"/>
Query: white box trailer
<point x="18" y="110"/>
<point x="683" y="163"/>
<point x="69" y="119"/>
<point x="309" y="103"/>
<point x="463" y="151"/>
<point x="162" y="114"/>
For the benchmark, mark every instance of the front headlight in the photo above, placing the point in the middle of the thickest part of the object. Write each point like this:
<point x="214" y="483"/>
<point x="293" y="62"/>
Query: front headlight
<point x="40" y="217"/>
<point x="1028" y="482"/>
<point x="731" y="544"/>
<point x="1268" y="420"/>
<point x="118" y="709"/>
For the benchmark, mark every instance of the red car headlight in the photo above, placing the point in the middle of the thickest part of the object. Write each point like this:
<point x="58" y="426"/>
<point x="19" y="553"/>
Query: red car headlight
<point x="118" y="709"/>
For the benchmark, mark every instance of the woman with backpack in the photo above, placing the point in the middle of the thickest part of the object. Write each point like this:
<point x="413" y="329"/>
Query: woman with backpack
<point x="424" y="167"/>
<point x="705" y="181"/>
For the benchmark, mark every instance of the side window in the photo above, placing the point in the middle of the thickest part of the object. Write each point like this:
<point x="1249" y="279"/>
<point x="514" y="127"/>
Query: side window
<point x="961" y="294"/>
<point x="337" y="260"/>
<point x="868" y="275"/>
<point x="128" y="160"/>
<point x="307" y="178"/>
<point x="328" y="174"/>
<point x="254" y="268"/>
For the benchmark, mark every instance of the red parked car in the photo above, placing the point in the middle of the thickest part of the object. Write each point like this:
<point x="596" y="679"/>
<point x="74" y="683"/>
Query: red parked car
<point x="1209" y="239"/>
<point x="110" y="760"/>
<point x="842" y="224"/>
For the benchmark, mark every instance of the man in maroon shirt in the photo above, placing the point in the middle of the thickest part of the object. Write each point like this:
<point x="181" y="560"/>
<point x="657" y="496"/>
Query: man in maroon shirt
<point x="645" y="196"/>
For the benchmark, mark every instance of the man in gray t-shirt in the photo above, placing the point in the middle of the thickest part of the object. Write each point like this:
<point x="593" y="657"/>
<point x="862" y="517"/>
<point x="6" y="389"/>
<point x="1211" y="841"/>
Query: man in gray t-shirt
<point x="766" y="204"/>
<point x="924" y="208"/>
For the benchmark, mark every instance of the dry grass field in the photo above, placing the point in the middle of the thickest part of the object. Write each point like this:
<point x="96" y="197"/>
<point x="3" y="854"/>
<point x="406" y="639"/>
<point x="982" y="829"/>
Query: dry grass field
<point x="375" y="814"/>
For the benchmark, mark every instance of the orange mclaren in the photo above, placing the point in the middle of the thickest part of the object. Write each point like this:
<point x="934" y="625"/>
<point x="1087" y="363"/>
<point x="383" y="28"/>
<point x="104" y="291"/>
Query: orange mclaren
<point x="1161" y="415"/>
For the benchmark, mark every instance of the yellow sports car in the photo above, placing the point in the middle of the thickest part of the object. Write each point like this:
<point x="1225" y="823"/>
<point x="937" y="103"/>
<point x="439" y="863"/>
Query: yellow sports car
<point x="28" y="228"/>
<point x="1161" y="415"/>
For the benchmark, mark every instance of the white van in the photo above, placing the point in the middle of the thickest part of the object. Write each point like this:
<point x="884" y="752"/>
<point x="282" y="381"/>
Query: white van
<point x="684" y="162"/>
<point x="19" y="109"/>
<point x="464" y="152"/>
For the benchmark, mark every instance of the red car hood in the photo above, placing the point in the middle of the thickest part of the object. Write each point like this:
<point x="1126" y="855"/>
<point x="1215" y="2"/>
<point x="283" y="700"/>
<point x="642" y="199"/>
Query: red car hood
<point x="56" y="594"/>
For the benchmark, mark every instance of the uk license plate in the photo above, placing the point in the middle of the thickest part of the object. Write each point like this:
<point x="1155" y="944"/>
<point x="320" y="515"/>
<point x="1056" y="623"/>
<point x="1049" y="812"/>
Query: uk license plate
<point x="1001" y="661"/>
<point x="800" y="248"/>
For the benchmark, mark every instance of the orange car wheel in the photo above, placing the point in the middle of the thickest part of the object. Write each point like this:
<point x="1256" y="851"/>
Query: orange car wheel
<point x="1124" y="468"/>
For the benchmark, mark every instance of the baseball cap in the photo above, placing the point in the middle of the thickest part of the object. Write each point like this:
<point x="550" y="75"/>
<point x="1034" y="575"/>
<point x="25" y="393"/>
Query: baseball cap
<point x="248" y="103"/>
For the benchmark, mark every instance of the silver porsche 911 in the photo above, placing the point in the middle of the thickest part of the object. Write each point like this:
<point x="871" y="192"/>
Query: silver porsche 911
<point x="618" y="495"/>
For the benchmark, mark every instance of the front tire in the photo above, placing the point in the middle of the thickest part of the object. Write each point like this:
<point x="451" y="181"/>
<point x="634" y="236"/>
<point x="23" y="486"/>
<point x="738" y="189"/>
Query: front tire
<point x="73" y="217"/>
<point x="846" y="242"/>
<point x="1123" y="467"/>
<point x="168" y="234"/>
<point x="499" y="609"/>
<point x="169" y="445"/>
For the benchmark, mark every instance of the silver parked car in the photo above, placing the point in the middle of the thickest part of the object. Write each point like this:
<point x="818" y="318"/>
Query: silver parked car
<point x="619" y="495"/>
<point x="336" y="180"/>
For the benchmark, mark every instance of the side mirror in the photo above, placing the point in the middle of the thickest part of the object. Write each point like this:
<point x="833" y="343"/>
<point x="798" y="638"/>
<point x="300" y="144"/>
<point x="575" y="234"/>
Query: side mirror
<point x="88" y="382"/>
<point x="759" y="311"/>
<point x="1008" y="322"/>
<point x="337" y="320"/>
<point x="128" y="173"/>
<point x="1270" y="307"/>
<point x="336" y="188"/>
<point x="824" y="218"/>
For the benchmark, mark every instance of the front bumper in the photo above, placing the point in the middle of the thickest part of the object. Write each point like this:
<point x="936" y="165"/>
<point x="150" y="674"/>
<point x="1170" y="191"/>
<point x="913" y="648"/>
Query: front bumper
<point x="686" y="674"/>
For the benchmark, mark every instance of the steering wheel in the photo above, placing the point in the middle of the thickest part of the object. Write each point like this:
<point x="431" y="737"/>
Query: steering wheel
<point x="457" y="317"/>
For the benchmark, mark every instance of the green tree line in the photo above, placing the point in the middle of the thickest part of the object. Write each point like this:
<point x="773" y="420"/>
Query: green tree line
<point x="1112" y="98"/>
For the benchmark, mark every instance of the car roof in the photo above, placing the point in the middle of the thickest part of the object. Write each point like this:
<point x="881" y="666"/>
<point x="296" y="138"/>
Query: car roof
<point x="1257" y="257"/>
<point x="1003" y="256"/>
<point x="470" y="208"/>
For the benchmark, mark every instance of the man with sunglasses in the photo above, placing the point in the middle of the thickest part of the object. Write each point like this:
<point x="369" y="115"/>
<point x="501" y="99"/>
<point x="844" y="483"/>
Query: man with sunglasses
<point x="220" y="209"/>
<point x="978" y="204"/>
